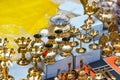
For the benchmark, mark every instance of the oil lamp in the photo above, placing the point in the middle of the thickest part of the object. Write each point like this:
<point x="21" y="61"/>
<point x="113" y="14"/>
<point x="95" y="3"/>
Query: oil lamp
<point x="66" y="48"/>
<point x="5" y="63"/>
<point x="93" y="33"/>
<point x="74" y="31"/>
<point x="86" y="27"/>
<point x="22" y="43"/>
<point x="81" y="37"/>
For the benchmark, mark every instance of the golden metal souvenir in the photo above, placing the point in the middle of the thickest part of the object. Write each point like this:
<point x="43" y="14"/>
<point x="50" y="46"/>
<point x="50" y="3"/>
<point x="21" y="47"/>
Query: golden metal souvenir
<point x="113" y="36"/>
<point x="66" y="48"/>
<point x="69" y="75"/>
<point x="103" y="39"/>
<point x="86" y="27"/>
<point x="117" y="61"/>
<point x="22" y="44"/>
<point x="81" y="37"/>
<point x="49" y="54"/>
<point x="74" y="32"/>
<point x="94" y="45"/>
<point x="113" y="27"/>
<point x="106" y="50"/>
<point x="99" y="76"/>
<point x="84" y="3"/>
<point x="5" y="63"/>
<point x="57" y="77"/>
<point x="81" y="73"/>
<point x="37" y="41"/>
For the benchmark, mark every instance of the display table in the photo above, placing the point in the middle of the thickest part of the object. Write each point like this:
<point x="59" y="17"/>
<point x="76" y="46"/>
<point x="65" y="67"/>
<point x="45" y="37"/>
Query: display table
<point x="72" y="7"/>
<point x="79" y="21"/>
<point x="61" y="63"/>
<point x="19" y="72"/>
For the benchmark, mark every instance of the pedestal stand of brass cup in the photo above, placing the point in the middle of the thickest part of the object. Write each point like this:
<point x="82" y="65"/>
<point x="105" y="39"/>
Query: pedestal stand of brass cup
<point x="94" y="45"/>
<point x="35" y="53"/>
<point x="74" y="31"/>
<point x="81" y="37"/>
<point x="22" y="43"/>
<point x="86" y="27"/>
<point x="4" y="64"/>
<point x="90" y="12"/>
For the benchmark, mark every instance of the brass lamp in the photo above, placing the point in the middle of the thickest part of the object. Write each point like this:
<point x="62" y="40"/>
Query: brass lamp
<point x="5" y="63"/>
<point x="93" y="33"/>
<point x="22" y="43"/>
<point x="81" y="37"/>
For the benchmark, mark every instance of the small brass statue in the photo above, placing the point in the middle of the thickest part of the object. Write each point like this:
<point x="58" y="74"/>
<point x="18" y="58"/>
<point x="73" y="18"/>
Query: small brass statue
<point x="23" y="43"/>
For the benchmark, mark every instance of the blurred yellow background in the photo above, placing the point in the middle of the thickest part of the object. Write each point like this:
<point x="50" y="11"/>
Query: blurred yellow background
<point x="24" y="17"/>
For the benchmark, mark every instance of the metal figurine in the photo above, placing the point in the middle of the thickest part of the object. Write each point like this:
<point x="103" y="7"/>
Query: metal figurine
<point x="81" y="37"/>
<point x="23" y="43"/>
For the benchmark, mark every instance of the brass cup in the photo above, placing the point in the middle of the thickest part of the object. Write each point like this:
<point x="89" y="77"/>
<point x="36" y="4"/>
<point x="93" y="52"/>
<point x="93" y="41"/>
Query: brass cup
<point x="86" y="27"/>
<point x="81" y="37"/>
<point x="94" y="45"/>
<point x="74" y="31"/>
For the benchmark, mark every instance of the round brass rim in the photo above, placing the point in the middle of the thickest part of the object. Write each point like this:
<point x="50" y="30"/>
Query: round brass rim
<point x="80" y="50"/>
<point x="93" y="46"/>
<point x="23" y="62"/>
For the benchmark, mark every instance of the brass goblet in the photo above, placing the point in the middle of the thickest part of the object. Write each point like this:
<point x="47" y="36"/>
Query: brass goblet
<point x="94" y="45"/>
<point x="86" y="27"/>
<point x="90" y="12"/>
<point x="74" y="31"/>
<point x="5" y="63"/>
<point x="81" y="37"/>
<point x="84" y="3"/>
<point x="35" y="53"/>
<point x="22" y="43"/>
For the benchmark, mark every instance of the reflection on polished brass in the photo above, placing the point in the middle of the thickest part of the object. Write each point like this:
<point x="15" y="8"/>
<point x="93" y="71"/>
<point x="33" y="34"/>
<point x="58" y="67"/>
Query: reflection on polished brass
<point x="86" y="27"/>
<point x="74" y="32"/>
<point x="57" y="77"/>
<point x="94" y="45"/>
<point x="22" y="43"/>
<point x="81" y="37"/>
<point x="103" y="39"/>
<point x="66" y="48"/>
<point x="69" y="75"/>
<point x="113" y="36"/>
<point x="107" y="50"/>
<point x="84" y="3"/>
<point x="5" y="63"/>
<point x="113" y="27"/>
<point x="49" y="54"/>
<point x="117" y="61"/>
<point x="81" y="73"/>
<point x="37" y="41"/>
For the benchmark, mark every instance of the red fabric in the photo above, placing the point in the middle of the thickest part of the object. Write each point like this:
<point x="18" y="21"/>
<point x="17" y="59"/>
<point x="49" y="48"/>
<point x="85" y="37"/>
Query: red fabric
<point x="45" y="53"/>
